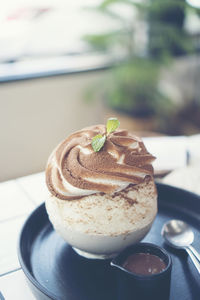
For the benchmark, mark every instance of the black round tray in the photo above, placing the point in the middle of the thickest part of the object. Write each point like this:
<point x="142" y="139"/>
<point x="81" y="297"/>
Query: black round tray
<point x="55" y="271"/>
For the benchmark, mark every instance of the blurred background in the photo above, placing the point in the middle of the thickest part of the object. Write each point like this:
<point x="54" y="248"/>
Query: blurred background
<point x="69" y="64"/>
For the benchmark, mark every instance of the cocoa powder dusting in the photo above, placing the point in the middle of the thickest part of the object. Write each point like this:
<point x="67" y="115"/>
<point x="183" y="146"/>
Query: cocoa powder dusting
<point x="123" y="158"/>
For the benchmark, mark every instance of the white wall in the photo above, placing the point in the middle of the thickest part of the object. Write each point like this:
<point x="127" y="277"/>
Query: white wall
<point x="35" y="115"/>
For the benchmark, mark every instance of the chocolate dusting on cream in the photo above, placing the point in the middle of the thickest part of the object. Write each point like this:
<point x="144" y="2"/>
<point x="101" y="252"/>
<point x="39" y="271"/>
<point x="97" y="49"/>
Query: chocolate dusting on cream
<point x="74" y="170"/>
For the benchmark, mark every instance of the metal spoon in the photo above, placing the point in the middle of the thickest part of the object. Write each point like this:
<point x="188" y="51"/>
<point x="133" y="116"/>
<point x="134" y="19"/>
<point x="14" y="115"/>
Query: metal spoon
<point x="178" y="234"/>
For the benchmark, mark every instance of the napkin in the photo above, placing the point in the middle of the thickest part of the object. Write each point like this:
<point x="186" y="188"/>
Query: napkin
<point x="170" y="152"/>
<point x="173" y="152"/>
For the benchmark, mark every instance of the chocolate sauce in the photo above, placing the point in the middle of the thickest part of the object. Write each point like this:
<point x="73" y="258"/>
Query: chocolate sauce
<point x="144" y="264"/>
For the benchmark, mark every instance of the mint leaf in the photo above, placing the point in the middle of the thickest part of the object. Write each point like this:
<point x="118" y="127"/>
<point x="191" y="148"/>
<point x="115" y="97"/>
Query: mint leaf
<point x="112" y="125"/>
<point x="98" y="141"/>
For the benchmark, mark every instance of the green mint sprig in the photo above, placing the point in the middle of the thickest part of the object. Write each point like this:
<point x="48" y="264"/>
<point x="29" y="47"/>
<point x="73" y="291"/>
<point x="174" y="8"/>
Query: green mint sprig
<point x="111" y="125"/>
<point x="99" y="140"/>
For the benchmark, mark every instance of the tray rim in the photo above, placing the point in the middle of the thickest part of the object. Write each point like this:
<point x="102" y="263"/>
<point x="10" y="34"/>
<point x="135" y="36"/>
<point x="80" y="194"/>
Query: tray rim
<point x="26" y="270"/>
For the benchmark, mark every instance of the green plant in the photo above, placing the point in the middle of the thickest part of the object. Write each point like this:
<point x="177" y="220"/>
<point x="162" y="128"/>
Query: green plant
<point x="132" y="86"/>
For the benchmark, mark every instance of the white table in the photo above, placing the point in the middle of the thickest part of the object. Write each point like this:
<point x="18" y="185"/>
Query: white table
<point x="17" y="199"/>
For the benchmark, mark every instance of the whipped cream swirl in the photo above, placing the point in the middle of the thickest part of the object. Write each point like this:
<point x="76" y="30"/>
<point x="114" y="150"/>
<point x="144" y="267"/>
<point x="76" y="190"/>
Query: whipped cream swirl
<point x="74" y="170"/>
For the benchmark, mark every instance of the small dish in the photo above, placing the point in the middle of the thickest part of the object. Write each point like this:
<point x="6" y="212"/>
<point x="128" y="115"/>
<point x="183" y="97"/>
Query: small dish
<point x="139" y="285"/>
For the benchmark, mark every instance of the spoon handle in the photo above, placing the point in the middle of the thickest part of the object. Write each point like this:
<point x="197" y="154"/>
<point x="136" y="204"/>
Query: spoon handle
<point x="193" y="258"/>
<point x="195" y="253"/>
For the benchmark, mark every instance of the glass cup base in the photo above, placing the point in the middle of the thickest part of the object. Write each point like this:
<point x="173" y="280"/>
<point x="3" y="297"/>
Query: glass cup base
<point x="94" y="256"/>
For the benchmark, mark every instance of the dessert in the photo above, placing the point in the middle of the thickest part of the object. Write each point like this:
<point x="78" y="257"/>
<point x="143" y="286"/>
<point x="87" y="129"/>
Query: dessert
<point x="101" y="199"/>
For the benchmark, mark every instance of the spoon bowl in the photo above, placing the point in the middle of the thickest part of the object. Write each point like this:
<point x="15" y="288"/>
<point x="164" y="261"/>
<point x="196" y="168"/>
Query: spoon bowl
<point x="179" y="234"/>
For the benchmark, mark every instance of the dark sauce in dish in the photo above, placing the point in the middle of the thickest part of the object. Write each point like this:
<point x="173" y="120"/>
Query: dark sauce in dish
<point x="144" y="264"/>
